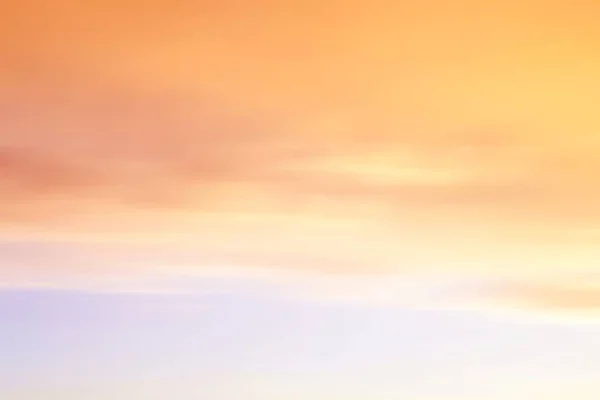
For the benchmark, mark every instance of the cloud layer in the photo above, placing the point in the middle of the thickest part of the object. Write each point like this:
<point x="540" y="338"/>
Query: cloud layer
<point x="174" y="272"/>
<point x="369" y="135"/>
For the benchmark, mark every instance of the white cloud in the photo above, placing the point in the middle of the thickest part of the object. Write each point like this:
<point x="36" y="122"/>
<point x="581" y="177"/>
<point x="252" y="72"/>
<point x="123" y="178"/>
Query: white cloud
<point x="541" y="296"/>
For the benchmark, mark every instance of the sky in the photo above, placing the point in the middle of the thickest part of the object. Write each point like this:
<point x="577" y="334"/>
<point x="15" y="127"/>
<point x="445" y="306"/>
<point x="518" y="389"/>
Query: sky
<point x="293" y="199"/>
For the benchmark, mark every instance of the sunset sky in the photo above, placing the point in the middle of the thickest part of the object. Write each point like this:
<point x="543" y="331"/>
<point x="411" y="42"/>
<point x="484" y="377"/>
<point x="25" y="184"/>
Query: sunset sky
<point x="299" y="199"/>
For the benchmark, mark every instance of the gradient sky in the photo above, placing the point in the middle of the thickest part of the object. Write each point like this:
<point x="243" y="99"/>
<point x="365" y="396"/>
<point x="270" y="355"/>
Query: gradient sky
<point x="438" y="121"/>
<point x="269" y="197"/>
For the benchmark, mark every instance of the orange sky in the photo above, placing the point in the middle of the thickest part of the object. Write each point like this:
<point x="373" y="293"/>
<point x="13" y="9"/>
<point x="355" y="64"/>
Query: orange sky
<point x="466" y="127"/>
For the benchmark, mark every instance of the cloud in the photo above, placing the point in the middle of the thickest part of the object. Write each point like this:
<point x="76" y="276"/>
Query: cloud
<point x="149" y="269"/>
<point x="333" y="135"/>
<point x="363" y="290"/>
<point x="544" y="296"/>
<point x="148" y="119"/>
<point x="547" y="295"/>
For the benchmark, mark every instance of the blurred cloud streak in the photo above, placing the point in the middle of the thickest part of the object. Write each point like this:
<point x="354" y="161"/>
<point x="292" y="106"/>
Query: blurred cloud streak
<point x="460" y="136"/>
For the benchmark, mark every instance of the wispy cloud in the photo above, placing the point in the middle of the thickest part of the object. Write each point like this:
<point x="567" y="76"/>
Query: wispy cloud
<point x="126" y="119"/>
<point x="566" y="299"/>
<point x="118" y="269"/>
<point x="358" y="151"/>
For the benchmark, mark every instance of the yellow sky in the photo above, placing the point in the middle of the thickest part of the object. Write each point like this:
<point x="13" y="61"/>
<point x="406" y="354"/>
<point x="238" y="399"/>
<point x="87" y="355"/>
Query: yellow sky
<point x="467" y="127"/>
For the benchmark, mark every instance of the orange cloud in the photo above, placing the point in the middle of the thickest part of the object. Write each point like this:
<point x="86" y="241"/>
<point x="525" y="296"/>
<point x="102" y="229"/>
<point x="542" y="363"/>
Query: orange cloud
<point x="462" y="130"/>
<point x="555" y="296"/>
